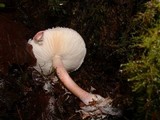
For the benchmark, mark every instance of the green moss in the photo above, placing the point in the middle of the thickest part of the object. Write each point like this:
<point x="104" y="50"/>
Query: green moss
<point x="143" y="67"/>
<point x="2" y="5"/>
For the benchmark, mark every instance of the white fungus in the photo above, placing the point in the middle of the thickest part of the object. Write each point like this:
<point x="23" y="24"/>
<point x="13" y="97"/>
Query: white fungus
<point x="63" y="42"/>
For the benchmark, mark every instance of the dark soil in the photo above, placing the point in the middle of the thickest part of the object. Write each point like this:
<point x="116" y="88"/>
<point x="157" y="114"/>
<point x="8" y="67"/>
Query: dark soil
<point x="22" y="96"/>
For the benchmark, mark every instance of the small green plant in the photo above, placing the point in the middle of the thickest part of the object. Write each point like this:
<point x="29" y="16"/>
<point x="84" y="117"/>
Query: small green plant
<point x="143" y="67"/>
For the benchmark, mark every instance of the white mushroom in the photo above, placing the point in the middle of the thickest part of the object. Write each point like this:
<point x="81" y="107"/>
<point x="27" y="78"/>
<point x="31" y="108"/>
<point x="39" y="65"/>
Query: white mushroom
<point x="62" y="49"/>
<point x="63" y="42"/>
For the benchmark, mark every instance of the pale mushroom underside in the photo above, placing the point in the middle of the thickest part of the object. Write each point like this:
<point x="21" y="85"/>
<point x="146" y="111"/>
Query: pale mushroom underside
<point x="63" y="42"/>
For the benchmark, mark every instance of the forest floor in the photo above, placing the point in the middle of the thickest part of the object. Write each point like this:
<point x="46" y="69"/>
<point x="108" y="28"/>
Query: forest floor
<point x="22" y="93"/>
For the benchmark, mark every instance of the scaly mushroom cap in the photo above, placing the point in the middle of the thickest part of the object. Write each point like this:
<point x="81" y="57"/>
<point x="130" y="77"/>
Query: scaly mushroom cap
<point x="63" y="42"/>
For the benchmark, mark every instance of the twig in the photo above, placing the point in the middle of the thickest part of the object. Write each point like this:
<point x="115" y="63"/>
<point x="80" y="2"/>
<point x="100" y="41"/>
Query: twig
<point x="18" y="111"/>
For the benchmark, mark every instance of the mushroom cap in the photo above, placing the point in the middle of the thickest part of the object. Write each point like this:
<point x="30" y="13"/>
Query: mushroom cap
<point x="59" y="41"/>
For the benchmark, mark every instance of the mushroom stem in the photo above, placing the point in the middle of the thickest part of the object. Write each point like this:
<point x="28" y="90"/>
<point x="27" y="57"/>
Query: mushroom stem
<point x="83" y="95"/>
